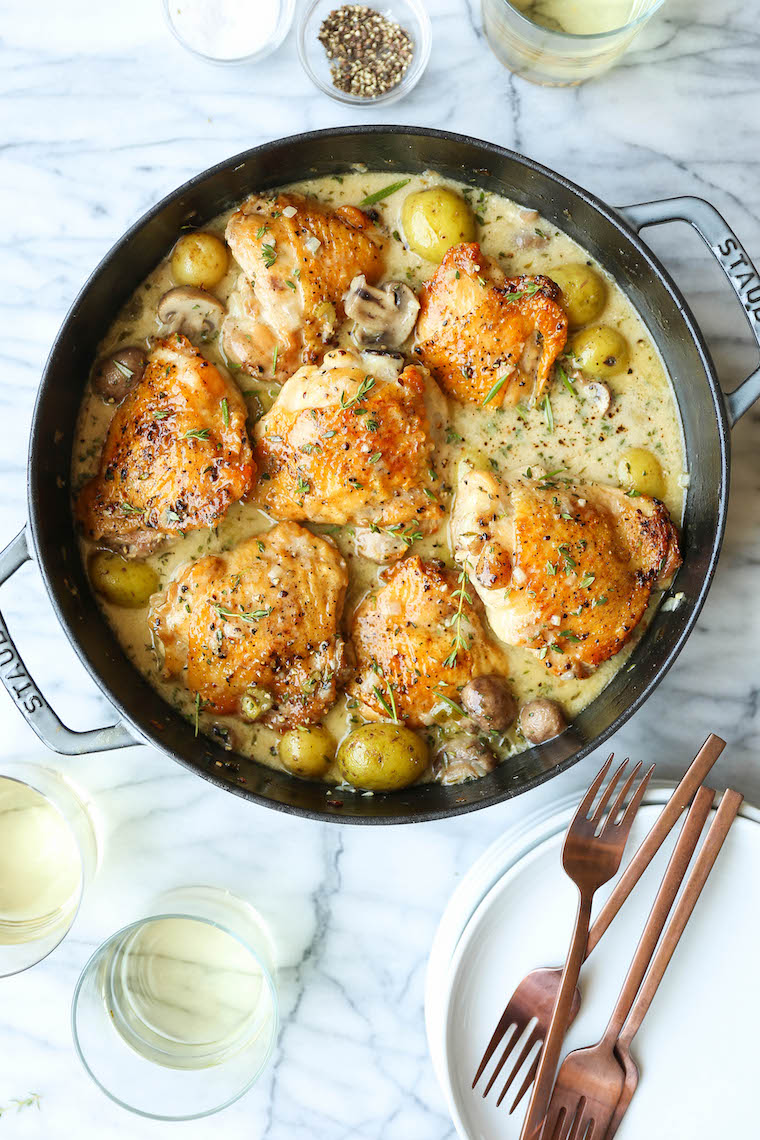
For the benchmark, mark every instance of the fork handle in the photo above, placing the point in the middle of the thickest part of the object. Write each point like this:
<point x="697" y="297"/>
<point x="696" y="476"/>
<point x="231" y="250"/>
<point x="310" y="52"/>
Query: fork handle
<point x="703" y="865"/>
<point x="547" y="1068"/>
<point x="663" y="903"/>
<point x="664" y="824"/>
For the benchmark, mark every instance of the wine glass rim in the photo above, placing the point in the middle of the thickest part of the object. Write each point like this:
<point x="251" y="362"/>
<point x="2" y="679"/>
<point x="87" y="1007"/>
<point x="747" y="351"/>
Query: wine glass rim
<point x="586" y="37"/>
<point x="250" y="1082"/>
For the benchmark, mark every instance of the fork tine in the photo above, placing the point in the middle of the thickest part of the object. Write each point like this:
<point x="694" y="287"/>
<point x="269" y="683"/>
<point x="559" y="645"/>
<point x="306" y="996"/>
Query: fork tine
<point x="606" y="794"/>
<point x="560" y="1120"/>
<point x="529" y="1079"/>
<point x="503" y="1059"/>
<point x="585" y="804"/>
<point x="534" y="1036"/>
<point x="630" y="812"/>
<point x="620" y="799"/>
<point x="579" y="1131"/>
<point x="506" y="1021"/>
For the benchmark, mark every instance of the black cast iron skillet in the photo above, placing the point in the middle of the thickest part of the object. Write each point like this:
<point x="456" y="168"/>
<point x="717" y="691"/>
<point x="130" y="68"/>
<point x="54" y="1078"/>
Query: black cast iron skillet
<point x="609" y="235"/>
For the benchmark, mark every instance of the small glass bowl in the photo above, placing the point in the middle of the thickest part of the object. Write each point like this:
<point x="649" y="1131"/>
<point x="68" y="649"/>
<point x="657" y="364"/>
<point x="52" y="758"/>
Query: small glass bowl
<point x="281" y="29"/>
<point x="410" y="14"/>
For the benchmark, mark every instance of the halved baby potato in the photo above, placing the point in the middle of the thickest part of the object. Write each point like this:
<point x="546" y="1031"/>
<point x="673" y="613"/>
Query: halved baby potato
<point x="124" y="582"/>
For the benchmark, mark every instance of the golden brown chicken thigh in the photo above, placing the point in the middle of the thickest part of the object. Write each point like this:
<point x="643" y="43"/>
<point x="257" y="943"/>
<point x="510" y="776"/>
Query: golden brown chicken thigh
<point x="563" y="569"/>
<point x="345" y="446"/>
<point x="175" y="457"/>
<point x="298" y="258"/>
<point x="266" y="615"/>
<point x="486" y="337"/>
<point x="417" y="638"/>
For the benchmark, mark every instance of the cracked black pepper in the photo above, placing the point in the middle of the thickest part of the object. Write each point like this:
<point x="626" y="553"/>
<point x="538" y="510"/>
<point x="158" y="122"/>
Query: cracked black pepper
<point x="368" y="53"/>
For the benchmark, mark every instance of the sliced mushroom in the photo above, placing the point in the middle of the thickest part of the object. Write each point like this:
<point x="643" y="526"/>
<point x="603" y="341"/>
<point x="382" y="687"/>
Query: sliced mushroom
<point x="114" y="375"/>
<point x="383" y="316"/>
<point x="383" y="365"/>
<point x="191" y="311"/>
<point x="463" y="758"/>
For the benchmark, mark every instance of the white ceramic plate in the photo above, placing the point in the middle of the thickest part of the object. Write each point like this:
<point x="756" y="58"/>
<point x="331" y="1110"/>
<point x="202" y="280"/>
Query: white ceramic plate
<point x="696" y="1048"/>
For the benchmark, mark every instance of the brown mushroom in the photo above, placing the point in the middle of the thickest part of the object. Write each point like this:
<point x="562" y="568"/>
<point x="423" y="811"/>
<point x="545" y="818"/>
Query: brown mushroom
<point x="541" y="720"/>
<point x="115" y="374"/>
<point x="383" y="316"/>
<point x="489" y="702"/>
<point x="463" y="758"/>
<point x="190" y="311"/>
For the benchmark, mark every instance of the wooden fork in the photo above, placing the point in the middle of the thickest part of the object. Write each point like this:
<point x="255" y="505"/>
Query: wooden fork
<point x="533" y="1000"/>
<point x="592" y="1081"/>
<point x="593" y="848"/>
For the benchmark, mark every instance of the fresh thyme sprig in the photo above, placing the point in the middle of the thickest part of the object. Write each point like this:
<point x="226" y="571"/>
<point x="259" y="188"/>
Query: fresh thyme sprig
<point x="458" y="641"/>
<point x="248" y="616"/>
<point x="32" y="1100"/>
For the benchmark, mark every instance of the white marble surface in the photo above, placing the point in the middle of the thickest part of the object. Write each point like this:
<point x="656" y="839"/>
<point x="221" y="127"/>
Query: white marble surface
<point x="102" y="113"/>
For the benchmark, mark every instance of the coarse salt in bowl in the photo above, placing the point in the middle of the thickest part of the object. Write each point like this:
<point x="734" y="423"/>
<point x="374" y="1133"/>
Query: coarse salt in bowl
<point x="411" y="15"/>
<point x="229" y="31"/>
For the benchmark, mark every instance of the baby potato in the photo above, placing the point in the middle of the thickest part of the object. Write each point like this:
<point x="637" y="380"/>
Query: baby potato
<point x="436" y="219"/>
<point x="307" y="751"/>
<point x="584" y="292"/>
<point x="382" y="757"/>
<point x="199" y="259"/>
<point x="122" y="581"/>
<point x="639" y="470"/>
<point x="600" y="350"/>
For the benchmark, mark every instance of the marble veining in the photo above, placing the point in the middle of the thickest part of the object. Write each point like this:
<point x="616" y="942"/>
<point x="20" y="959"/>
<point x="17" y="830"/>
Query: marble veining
<point x="102" y="113"/>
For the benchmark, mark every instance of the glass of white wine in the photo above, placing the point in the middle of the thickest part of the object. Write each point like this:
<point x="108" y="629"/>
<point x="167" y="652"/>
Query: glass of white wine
<point x="48" y="855"/>
<point x="176" y="1015"/>
<point x="561" y="43"/>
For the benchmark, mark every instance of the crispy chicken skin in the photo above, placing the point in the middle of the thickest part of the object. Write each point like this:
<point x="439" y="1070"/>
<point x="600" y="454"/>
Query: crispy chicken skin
<point x="342" y="446"/>
<point x="405" y="637"/>
<point x="288" y="297"/>
<point x="476" y="326"/>
<point x="175" y="457"/>
<point x="566" y="570"/>
<point x="266" y="614"/>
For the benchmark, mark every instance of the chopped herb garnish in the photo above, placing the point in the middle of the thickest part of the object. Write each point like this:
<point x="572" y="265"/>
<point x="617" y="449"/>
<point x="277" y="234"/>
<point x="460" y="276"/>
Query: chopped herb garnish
<point x="567" y="381"/>
<point x="225" y="412"/>
<point x="274" y="358"/>
<point x="453" y="436"/>
<point x="495" y="390"/>
<point x="587" y="580"/>
<point x="384" y="193"/>
<point x="196" y="433"/>
<point x="291" y="285"/>
<point x="452" y="704"/>
<point x="548" y="414"/>
<point x="269" y="255"/>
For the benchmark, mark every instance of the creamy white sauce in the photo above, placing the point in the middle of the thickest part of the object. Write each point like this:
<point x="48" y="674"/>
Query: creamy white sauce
<point x="587" y="447"/>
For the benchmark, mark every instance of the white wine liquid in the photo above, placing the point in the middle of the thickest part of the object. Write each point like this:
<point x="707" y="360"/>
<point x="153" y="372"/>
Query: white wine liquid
<point x="580" y="17"/>
<point x="185" y="994"/>
<point x="40" y="865"/>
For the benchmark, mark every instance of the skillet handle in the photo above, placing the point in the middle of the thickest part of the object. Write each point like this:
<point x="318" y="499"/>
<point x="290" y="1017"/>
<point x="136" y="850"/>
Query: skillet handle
<point x="27" y="697"/>
<point x="728" y="252"/>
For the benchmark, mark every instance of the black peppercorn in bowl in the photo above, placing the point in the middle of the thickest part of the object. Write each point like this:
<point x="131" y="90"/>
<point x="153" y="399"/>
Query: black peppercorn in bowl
<point x="611" y="237"/>
<point x="389" y="49"/>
